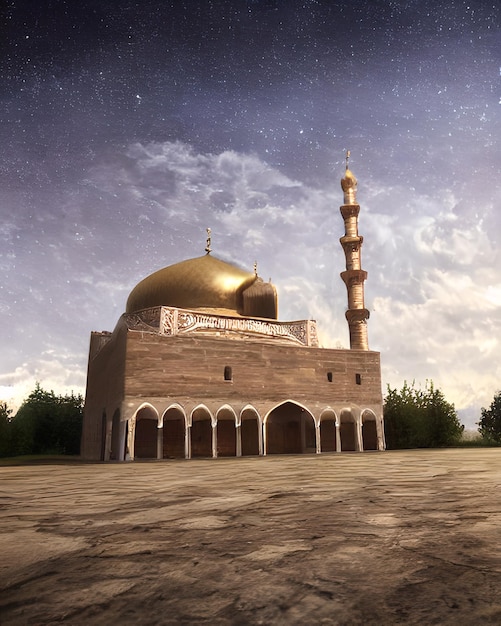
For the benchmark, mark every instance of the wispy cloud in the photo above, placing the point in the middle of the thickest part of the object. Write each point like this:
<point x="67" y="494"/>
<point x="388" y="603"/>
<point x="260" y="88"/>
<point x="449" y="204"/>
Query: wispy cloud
<point x="434" y="296"/>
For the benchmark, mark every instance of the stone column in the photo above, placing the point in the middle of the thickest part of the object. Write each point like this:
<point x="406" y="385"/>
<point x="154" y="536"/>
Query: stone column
<point x="132" y="437"/>
<point x="358" y="432"/>
<point x="338" y="436"/>
<point x="318" y="438"/>
<point x="160" y="442"/>
<point x="214" y="440"/>
<point x="238" y="434"/>
<point x="107" y="448"/>
<point x="187" y="441"/>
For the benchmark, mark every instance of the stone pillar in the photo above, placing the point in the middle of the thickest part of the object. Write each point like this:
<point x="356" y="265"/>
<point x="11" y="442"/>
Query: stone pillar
<point x="132" y="437"/>
<point x="107" y="448"/>
<point x="187" y="441"/>
<point x="381" y="443"/>
<point x="160" y="442"/>
<point x="121" y="441"/>
<point x="358" y="432"/>
<point x="338" y="436"/>
<point x="238" y="434"/>
<point x="214" y="440"/>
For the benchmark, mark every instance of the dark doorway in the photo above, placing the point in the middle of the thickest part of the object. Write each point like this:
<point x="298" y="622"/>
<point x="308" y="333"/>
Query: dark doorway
<point x="174" y="434"/>
<point x="103" y="436"/>
<point x="347" y="433"/>
<point x="115" y="454"/>
<point x="328" y="434"/>
<point x="145" y="440"/>
<point x="226" y="437"/>
<point x="249" y="431"/>
<point x="369" y="434"/>
<point x="201" y="434"/>
<point x="290" y="429"/>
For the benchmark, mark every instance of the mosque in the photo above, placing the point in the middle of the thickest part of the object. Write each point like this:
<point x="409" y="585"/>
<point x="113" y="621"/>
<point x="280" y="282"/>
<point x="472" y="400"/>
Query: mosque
<point x="200" y="366"/>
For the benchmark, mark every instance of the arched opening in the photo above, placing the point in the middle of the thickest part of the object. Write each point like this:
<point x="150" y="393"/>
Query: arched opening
<point x="174" y="433"/>
<point x="145" y="440"/>
<point x="328" y="431"/>
<point x="249" y="430"/>
<point x="103" y="436"/>
<point x="347" y="432"/>
<point x="290" y="429"/>
<point x="115" y="453"/>
<point x="369" y="431"/>
<point x="226" y="432"/>
<point x="201" y="433"/>
<point x="126" y="442"/>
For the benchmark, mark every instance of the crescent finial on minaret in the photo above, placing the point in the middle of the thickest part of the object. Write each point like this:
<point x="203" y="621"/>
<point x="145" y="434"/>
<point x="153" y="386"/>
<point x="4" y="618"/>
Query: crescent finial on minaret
<point x="349" y="184"/>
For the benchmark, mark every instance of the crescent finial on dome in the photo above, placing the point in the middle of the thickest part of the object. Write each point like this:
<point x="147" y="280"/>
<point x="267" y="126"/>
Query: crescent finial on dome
<point x="207" y="245"/>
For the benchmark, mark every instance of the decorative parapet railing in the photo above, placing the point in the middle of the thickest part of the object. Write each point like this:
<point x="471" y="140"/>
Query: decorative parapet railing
<point x="173" y="321"/>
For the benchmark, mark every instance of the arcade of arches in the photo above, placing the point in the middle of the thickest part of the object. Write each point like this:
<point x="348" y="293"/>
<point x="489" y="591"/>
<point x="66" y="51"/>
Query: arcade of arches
<point x="288" y="428"/>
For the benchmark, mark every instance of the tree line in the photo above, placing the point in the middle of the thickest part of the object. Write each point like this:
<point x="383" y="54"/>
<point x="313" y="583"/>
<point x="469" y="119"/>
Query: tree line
<point x="44" y="424"/>
<point x="414" y="417"/>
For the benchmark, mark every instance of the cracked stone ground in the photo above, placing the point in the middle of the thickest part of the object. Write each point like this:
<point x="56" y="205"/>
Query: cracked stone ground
<point x="409" y="537"/>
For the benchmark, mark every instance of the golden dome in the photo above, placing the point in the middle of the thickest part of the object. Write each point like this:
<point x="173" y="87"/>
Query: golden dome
<point x="201" y="283"/>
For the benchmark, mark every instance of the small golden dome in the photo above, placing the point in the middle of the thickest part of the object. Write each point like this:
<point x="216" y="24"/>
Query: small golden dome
<point x="349" y="181"/>
<point x="201" y="283"/>
<point x="349" y="186"/>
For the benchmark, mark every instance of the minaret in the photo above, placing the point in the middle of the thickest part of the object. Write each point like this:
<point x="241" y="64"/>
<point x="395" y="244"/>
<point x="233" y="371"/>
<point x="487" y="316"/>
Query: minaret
<point x="354" y="276"/>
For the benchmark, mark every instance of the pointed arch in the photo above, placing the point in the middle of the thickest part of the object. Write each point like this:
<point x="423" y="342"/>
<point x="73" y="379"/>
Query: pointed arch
<point x="369" y="430"/>
<point x="251" y="431"/>
<point x="226" y="433"/>
<point x="146" y="421"/>
<point x="348" y="430"/>
<point x="174" y="424"/>
<point x="290" y="428"/>
<point x="226" y="412"/>
<point x="202" y="436"/>
<point x="200" y="412"/>
<point x="328" y="430"/>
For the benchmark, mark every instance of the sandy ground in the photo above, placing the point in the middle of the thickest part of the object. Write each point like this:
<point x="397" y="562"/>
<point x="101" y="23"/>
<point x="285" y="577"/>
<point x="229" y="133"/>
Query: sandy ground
<point x="376" y="538"/>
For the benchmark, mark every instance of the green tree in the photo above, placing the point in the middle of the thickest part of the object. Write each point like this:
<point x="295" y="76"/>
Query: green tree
<point x="47" y="424"/>
<point x="5" y="429"/>
<point x="490" y="422"/>
<point x="420" y="418"/>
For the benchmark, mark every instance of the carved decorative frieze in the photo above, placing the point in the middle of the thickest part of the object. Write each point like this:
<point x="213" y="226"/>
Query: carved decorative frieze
<point x="147" y="320"/>
<point x="173" y="321"/>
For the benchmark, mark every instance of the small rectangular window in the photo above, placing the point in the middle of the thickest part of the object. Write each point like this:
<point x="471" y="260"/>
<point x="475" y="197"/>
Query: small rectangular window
<point x="358" y="379"/>
<point x="228" y="374"/>
<point x="329" y="376"/>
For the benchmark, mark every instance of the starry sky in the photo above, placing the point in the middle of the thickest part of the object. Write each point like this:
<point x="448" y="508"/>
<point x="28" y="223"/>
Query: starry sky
<point x="130" y="127"/>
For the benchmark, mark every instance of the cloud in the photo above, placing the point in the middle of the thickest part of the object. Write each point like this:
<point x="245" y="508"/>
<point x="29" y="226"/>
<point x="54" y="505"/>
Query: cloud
<point x="434" y="275"/>
<point x="433" y="287"/>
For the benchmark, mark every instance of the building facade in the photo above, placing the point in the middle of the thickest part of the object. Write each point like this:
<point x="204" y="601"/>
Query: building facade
<point x="199" y="366"/>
